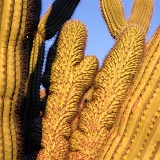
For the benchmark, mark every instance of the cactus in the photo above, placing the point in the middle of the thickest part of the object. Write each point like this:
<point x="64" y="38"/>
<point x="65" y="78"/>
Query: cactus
<point x="22" y="37"/>
<point x="89" y="113"/>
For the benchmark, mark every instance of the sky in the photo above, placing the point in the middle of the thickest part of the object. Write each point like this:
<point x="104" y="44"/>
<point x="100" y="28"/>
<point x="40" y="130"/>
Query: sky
<point x="99" y="41"/>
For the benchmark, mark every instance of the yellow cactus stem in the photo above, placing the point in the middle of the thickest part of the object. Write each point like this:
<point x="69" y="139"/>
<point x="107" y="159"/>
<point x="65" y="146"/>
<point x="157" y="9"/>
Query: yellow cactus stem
<point x="113" y="15"/>
<point x="135" y="134"/>
<point x="13" y="15"/>
<point x="141" y="14"/>
<point x="72" y="75"/>
<point x="111" y="85"/>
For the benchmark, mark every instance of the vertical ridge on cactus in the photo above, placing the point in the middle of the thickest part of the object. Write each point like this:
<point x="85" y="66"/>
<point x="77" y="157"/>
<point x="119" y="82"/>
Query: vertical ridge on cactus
<point x="71" y="76"/>
<point x="47" y="27"/>
<point x="108" y="113"/>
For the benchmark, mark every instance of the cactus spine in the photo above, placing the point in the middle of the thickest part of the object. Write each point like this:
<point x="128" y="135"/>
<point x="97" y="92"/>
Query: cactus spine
<point x="100" y="113"/>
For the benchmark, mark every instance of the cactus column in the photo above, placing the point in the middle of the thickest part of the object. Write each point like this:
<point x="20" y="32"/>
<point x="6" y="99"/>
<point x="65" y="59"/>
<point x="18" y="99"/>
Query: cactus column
<point x="13" y="16"/>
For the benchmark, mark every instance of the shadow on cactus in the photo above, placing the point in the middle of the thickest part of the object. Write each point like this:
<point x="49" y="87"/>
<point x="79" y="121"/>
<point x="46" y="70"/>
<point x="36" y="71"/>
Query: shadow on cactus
<point x="105" y="113"/>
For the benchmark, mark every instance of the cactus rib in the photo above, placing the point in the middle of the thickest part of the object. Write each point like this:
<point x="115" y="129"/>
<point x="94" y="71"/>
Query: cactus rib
<point x="57" y="14"/>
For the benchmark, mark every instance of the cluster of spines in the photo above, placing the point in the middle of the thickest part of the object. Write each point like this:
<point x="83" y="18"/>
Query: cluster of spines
<point x="21" y="59"/>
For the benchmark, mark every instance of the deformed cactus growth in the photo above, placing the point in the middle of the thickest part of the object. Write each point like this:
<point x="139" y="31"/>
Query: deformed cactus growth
<point x="108" y="113"/>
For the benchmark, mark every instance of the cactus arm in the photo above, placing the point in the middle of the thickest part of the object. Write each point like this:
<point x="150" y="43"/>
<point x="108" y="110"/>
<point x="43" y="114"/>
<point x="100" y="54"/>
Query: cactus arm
<point x="71" y="76"/>
<point x="113" y="15"/>
<point x="131" y="135"/>
<point x="141" y="13"/>
<point x="99" y="115"/>
<point x="57" y="14"/>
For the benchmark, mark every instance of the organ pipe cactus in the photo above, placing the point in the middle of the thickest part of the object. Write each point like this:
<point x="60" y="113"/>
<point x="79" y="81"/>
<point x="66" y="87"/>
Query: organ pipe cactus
<point x="90" y="113"/>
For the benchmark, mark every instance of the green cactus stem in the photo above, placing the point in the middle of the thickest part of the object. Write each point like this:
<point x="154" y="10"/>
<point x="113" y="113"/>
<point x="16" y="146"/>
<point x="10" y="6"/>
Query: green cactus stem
<point x="113" y="15"/>
<point x="71" y="77"/>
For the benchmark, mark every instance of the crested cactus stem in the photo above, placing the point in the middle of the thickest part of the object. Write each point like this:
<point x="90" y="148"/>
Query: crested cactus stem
<point x="113" y="15"/>
<point x="11" y="34"/>
<point x="48" y="26"/>
<point x="111" y="85"/>
<point x="135" y="134"/>
<point x="141" y="14"/>
<point x="71" y="76"/>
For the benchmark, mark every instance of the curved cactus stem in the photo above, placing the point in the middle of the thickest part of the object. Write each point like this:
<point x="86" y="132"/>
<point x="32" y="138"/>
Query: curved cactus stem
<point x="113" y="15"/>
<point x="136" y="131"/>
<point x="71" y="77"/>
<point x="111" y="84"/>
<point x="141" y="14"/>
